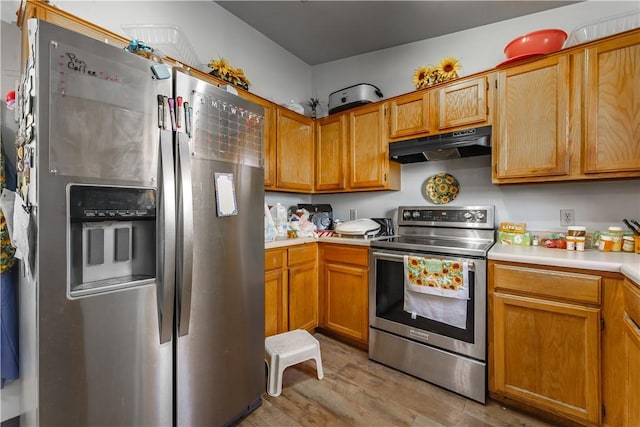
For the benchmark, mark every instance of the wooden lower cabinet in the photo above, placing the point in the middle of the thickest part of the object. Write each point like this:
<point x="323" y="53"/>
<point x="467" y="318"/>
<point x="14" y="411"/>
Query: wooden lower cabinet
<point x="344" y="290"/>
<point x="291" y="289"/>
<point x="275" y="291"/>
<point x="544" y="344"/>
<point x="303" y="287"/>
<point x="632" y="353"/>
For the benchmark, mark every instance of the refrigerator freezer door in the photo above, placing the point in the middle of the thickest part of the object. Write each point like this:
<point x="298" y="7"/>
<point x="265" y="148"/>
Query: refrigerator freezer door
<point x="97" y="359"/>
<point x="220" y="362"/>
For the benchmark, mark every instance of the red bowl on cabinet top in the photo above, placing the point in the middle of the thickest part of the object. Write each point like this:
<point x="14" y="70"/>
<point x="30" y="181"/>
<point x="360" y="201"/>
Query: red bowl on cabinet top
<point x="537" y="42"/>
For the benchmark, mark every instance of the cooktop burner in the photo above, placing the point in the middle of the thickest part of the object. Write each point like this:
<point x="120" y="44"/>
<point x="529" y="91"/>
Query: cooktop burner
<point x="459" y="230"/>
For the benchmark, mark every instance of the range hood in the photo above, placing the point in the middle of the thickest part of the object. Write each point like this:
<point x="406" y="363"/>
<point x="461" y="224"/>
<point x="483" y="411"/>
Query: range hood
<point x="452" y="145"/>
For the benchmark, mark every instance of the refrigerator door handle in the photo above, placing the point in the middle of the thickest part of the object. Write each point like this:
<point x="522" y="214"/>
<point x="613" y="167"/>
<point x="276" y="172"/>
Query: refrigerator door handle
<point x="167" y="231"/>
<point x="185" y="244"/>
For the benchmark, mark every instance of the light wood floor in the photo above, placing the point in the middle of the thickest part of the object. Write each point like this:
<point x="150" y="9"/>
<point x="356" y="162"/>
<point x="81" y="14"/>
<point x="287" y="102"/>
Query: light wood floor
<point x="356" y="391"/>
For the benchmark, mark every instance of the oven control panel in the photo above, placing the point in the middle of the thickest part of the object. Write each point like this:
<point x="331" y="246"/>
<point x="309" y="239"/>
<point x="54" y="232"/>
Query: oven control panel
<point x="447" y="216"/>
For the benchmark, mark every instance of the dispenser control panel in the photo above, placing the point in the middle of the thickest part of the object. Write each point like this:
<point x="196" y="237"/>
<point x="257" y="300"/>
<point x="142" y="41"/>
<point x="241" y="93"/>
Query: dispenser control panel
<point x="92" y="203"/>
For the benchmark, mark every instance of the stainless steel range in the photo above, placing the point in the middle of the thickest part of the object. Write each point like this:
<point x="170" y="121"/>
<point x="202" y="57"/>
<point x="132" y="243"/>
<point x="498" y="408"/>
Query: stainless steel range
<point x="436" y="332"/>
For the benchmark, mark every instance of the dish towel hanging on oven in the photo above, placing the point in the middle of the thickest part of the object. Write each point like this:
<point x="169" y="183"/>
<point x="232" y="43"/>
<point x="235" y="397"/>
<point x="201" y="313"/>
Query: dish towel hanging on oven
<point x="436" y="289"/>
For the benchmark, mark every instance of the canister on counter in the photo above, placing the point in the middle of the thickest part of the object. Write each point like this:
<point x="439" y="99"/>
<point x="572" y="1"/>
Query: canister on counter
<point x="616" y="236"/>
<point x="628" y="244"/>
<point x="606" y="243"/>
<point x="576" y="233"/>
<point x="580" y="242"/>
<point x="576" y="230"/>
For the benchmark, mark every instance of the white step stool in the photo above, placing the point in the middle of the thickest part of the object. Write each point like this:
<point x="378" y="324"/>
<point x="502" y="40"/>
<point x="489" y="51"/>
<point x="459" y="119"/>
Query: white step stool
<point x="287" y="349"/>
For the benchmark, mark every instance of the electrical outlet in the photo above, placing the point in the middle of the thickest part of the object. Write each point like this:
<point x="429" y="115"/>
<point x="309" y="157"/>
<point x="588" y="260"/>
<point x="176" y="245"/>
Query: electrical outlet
<point x="567" y="217"/>
<point x="353" y="213"/>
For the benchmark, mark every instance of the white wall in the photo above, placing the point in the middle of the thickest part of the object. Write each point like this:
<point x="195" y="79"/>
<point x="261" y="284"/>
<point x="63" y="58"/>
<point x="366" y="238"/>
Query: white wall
<point x="213" y="33"/>
<point x="596" y="204"/>
<point x="478" y="49"/>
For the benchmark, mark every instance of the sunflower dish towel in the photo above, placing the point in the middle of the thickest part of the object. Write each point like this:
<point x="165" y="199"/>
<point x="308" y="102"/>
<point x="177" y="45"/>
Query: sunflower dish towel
<point x="436" y="289"/>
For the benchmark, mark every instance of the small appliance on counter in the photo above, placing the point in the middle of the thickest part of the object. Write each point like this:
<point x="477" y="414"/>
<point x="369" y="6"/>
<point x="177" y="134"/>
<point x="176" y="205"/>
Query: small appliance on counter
<point x="320" y="215"/>
<point x="353" y="96"/>
<point x="365" y="228"/>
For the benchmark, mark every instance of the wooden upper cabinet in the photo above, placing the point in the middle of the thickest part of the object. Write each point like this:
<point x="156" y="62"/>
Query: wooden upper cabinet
<point x="463" y="103"/>
<point x="331" y="152"/>
<point x="531" y="138"/>
<point x="269" y="146"/>
<point x="612" y="107"/>
<point x="410" y="115"/>
<point x="295" y="152"/>
<point x="369" y="165"/>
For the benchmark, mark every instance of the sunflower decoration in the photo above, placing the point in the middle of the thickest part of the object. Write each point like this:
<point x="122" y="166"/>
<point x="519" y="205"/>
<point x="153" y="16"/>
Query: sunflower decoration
<point x="428" y="75"/>
<point x="448" y="68"/>
<point x="441" y="188"/>
<point x="224" y="71"/>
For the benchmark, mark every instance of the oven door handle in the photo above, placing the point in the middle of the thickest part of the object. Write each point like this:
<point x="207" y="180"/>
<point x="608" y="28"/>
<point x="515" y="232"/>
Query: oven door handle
<point x="470" y="264"/>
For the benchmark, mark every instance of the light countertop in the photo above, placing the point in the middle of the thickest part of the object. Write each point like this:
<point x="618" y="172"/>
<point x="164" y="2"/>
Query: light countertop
<point x="625" y="263"/>
<point x="591" y="259"/>
<point x="303" y="240"/>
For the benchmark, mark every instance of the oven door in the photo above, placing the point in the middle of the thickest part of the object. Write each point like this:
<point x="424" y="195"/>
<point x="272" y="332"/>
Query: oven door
<point x="386" y="305"/>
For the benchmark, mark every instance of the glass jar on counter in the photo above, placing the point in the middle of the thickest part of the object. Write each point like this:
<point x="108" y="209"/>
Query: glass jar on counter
<point x="576" y="235"/>
<point x="616" y="237"/>
<point x="606" y="243"/>
<point x="628" y="243"/>
<point x="576" y="230"/>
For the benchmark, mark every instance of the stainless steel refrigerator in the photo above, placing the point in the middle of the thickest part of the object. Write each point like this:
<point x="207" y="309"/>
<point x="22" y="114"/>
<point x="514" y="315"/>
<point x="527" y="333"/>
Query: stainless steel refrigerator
<point x="145" y="190"/>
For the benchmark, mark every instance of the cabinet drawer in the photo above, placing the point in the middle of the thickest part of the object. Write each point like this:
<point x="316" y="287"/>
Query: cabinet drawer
<point x="554" y="284"/>
<point x="275" y="259"/>
<point x="632" y="301"/>
<point x="302" y="253"/>
<point x="347" y="254"/>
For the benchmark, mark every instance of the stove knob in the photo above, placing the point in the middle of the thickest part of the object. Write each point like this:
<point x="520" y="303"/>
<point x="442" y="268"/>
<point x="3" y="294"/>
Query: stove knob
<point x="467" y="215"/>
<point x="415" y="215"/>
<point x="479" y="216"/>
<point x="406" y="214"/>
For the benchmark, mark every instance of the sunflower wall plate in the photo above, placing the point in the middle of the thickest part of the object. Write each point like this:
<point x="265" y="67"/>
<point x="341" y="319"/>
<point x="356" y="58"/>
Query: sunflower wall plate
<point x="441" y="188"/>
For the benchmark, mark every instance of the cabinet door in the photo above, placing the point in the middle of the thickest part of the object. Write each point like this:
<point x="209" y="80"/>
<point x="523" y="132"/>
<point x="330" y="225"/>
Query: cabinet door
<point x="303" y="296"/>
<point x="547" y="354"/>
<point x="346" y="300"/>
<point x="633" y="373"/>
<point x="631" y="328"/>
<point x="409" y="115"/>
<point x="269" y="146"/>
<point x="303" y="287"/>
<point x="612" y="110"/>
<point x="275" y="291"/>
<point x="369" y="154"/>
<point x="294" y="151"/>
<point x="532" y="115"/>
<point x="463" y="103"/>
<point x="275" y="302"/>
<point x="331" y="152"/>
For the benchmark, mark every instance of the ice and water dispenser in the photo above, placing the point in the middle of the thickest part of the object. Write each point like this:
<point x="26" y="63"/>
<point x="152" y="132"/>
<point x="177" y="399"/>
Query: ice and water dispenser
<point x="112" y="236"/>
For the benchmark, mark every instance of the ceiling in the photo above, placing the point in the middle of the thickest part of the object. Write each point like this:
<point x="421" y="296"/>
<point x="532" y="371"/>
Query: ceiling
<point x="324" y="31"/>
